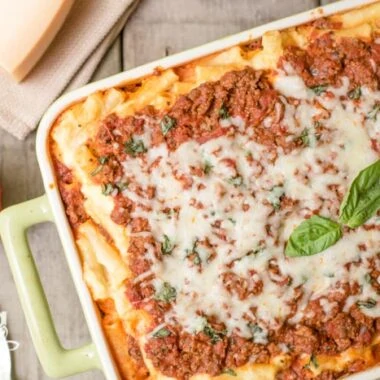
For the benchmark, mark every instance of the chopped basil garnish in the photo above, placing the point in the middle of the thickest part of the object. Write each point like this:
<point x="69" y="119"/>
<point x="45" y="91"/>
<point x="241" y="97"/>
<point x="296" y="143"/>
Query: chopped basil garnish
<point x="161" y="333"/>
<point x="304" y="279"/>
<point x="304" y="137"/>
<point x="308" y="137"/>
<point x="229" y="371"/>
<point x="197" y="259"/>
<point x="215" y="335"/>
<point x="132" y="147"/>
<point x="257" y="250"/>
<point x="275" y="195"/>
<point x="107" y="188"/>
<point x="167" y="293"/>
<point x="368" y="278"/>
<point x="255" y="329"/>
<point x="193" y="254"/>
<point x="207" y="167"/>
<point x="313" y="361"/>
<point x="363" y="198"/>
<point x="253" y="252"/>
<point x="312" y="236"/>
<point x="232" y="220"/>
<point x="97" y="170"/>
<point x="236" y="181"/>
<point x="121" y="186"/>
<point x="370" y="303"/>
<point x="167" y="123"/>
<point x="102" y="161"/>
<point x="223" y="112"/>
<point x="166" y="246"/>
<point x="258" y="334"/>
<point x="355" y="94"/>
<point x="318" y="90"/>
<point x="372" y="115"/>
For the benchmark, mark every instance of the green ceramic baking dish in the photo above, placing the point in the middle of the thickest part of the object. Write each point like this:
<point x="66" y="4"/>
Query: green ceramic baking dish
<point x="14" y="221"/>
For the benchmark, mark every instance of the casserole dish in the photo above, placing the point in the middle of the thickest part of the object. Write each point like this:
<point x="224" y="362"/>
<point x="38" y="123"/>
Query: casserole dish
<point x="56" y="361"/>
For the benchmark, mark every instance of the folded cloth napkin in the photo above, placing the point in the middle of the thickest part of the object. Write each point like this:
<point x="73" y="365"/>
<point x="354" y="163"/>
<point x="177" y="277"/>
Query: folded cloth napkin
<point x="69" y="62"/>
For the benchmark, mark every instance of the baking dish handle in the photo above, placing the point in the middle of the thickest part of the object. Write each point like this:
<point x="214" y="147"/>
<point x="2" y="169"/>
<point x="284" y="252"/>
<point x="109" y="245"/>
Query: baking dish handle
<point x="56" y="360"/>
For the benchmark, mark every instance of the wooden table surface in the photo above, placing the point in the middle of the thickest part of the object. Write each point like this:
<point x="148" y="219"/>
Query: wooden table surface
<point x="157" y="28"/>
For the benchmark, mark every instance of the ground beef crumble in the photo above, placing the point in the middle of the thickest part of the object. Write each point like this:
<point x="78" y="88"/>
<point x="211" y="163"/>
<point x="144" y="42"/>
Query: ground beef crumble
<point x="326" y="60"/>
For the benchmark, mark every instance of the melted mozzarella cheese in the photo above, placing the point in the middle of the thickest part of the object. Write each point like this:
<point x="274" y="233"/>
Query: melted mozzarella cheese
<point x="292" y="86"/>
<point x="233" y="209"/>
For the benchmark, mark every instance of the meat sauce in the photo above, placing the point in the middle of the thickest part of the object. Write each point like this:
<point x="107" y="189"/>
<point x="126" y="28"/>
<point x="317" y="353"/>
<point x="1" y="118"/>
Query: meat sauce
<point x="249" y="95"/>
<point x="71" y="195"/>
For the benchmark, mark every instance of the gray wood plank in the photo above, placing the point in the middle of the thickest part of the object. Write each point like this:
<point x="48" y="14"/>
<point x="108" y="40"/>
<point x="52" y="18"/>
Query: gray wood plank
<point x="159" y="27"/>
<point x="112" y="63"/>
<point x="156" y="29"/>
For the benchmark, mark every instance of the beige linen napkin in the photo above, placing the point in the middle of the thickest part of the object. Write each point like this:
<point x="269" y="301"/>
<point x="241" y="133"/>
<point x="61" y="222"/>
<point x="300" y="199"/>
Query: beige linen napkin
<point x="69" y="62"/>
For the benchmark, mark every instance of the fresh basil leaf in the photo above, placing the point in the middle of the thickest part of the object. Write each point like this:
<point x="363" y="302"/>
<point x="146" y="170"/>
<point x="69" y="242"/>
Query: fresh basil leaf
<point x="318" y="90"/>
<point x="370" y="303"/>
<point x="166" y="246"/>
<point x="355" y="94"/>
<point x="363" y="198"/>
<point x="167" y="123"/>
<point x="132" y="147"/>
<point x="167" y="293"/>
<point x="312" y="236"/>
<point x="161" y="333"/>
<point x="223" y="112"/>
<point x="229" y="371"/>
